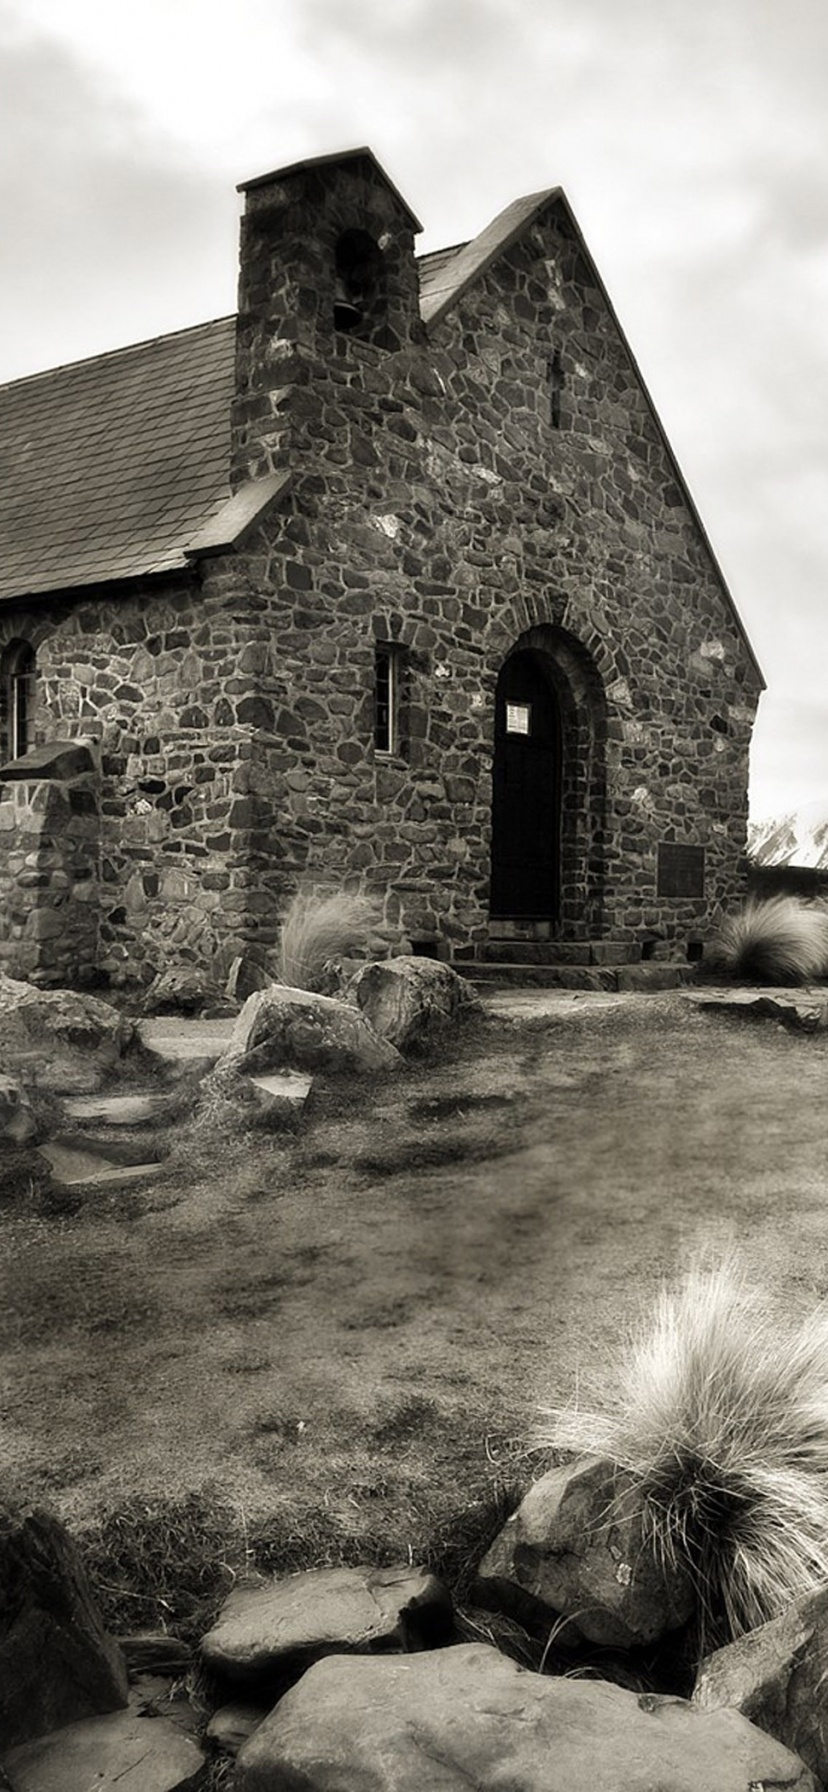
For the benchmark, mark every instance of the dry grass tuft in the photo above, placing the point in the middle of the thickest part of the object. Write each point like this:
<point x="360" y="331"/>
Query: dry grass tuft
<point x="320" y="926"/>
<point x="778" y="939"/>
<point x="720" y="1409"/>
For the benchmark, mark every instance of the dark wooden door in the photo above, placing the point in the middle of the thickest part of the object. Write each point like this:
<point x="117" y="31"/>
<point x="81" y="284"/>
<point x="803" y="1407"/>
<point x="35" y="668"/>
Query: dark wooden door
<point x="526" y="819"/>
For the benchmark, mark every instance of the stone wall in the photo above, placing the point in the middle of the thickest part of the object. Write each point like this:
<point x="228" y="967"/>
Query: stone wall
<point x="49" y="880"/>
<point x="159" y="680"/>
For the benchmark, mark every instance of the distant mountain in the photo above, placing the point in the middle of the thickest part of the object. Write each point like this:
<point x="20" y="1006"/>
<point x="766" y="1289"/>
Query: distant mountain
<point x="800" y="838"/>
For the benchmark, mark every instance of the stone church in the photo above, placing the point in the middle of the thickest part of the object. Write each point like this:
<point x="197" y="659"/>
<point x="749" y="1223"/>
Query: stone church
<point x="389" y="581"/>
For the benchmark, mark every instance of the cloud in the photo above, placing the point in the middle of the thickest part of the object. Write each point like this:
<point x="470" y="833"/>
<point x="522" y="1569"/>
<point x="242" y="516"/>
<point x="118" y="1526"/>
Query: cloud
<point x="107" y="232"/>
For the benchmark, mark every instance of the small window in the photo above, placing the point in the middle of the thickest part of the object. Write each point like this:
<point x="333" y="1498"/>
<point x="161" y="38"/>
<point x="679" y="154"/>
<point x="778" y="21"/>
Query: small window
<point x="387" y="662"/>
<point x="18" y="668"/>
<point x="518" y="718"/>
<point x="556" y="386"/>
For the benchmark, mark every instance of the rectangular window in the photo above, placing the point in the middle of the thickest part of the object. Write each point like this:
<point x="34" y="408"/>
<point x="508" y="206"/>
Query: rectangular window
<point x="556" y="386"/>
<point x="387" y="699"/>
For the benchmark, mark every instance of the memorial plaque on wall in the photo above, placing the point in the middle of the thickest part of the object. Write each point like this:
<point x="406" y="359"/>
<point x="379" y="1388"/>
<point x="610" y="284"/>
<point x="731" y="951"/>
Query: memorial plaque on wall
<point x="680" y="870"/>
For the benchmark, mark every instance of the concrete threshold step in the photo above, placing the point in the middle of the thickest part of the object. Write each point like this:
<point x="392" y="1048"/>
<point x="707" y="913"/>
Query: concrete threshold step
<point x="649" y="976"/>
<point x="560" y="952"/>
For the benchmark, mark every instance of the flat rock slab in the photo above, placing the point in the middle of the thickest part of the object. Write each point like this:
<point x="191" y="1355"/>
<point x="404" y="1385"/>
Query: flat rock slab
<point x="75" y="1167"/>
<point x="184" y="1044"/>
<point x="290" y="1086"/>
<point x="466" y="1719"/>
<point x="122" y="1753"/>
<point x="118" y="1110"/>
<point x="803" y="1008"/>
<point x="285" y="1624"/>
<point x="527" y="1002"/>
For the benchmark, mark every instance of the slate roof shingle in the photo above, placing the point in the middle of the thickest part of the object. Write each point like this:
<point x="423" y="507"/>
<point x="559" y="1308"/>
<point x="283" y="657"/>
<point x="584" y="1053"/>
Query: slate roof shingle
<point x="109" y="467"/>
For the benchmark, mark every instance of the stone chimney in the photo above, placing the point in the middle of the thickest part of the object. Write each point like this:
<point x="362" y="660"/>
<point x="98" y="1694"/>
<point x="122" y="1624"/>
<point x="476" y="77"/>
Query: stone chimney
<point x="328" y="285"/>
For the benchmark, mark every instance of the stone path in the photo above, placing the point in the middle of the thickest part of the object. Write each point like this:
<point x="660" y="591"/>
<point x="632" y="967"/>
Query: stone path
<point x="186" y="1045"/>
<point x="806" y="1008"/>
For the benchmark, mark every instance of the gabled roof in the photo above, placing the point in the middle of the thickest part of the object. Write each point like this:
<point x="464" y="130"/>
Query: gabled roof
<point x="109" y="467"/>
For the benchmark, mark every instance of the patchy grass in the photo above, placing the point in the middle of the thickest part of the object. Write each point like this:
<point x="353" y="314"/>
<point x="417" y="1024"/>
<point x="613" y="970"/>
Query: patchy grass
<point x="168" y="1565"/>
<point x="287" y="1359"/>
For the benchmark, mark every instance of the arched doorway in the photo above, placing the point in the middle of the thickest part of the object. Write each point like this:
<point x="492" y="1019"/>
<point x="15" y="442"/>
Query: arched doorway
<point x="526" y="793"/>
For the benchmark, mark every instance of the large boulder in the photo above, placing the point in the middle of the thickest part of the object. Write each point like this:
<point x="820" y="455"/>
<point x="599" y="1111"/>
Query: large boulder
<point x="578" y="1545"/>
<point x="56" y="1662"/>
<point x="410" y="1001"/>
<point x="776" y="1676"/>
<point x="59" y="1039"/>
<point x="185" y="989"/>
<point x="281" y="1626"/>
<point x="467" y="1719"/>
<point x="282" y="1027"/>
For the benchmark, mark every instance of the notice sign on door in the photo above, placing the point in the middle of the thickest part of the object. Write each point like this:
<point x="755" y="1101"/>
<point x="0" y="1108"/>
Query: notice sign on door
<point x="518" y="717"/>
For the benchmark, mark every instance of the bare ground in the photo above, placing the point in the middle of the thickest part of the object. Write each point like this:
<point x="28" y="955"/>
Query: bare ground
<point x="363" y="1319"/>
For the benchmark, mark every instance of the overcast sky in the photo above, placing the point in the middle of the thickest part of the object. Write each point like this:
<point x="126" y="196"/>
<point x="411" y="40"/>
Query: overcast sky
<point x="690" y="135"/>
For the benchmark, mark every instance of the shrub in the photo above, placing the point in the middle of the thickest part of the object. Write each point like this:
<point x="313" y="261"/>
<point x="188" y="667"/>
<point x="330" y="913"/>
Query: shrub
<point x="319" y="926"/>
<point x="720" y="1410"/>
<point x="780" y="939"/>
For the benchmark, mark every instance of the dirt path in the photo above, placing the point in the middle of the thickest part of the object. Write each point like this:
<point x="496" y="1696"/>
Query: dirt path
<point x="392" y="1295"/>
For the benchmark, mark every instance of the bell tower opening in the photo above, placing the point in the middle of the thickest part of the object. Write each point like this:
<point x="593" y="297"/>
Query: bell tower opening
<point x="360" y="295"/>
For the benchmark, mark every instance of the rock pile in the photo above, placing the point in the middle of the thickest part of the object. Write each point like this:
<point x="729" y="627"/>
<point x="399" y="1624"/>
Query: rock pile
<point x="256" y="1066"/>
<point x="356" y="1680"/>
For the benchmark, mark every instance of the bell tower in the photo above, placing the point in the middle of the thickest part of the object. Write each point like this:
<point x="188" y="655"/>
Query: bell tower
<point x="328" y="283"/>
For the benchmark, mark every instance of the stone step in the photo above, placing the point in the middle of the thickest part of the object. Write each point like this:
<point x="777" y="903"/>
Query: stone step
<point x="624" y="977"/>
<point x="561" y="952"/>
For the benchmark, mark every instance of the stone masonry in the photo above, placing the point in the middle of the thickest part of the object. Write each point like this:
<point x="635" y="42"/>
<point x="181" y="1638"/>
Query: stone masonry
<point x="478" y="471"/>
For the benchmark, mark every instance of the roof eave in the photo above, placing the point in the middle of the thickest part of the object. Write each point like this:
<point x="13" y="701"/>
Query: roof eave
<point x="175" y="568"/>
<point x="225" y="529"/>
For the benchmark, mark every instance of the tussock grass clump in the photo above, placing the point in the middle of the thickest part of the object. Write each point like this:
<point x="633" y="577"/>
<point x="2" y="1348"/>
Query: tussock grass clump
<point x="720" y="1410"/>
<point x="777" y="939"/>
<point x="320" y="926"/>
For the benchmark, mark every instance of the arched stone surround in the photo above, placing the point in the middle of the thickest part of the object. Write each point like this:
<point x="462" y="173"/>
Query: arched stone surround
<point x="579" y="690"/>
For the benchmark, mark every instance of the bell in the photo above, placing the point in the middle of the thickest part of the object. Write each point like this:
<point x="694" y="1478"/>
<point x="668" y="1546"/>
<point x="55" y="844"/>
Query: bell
<point x="347" y="314"/>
